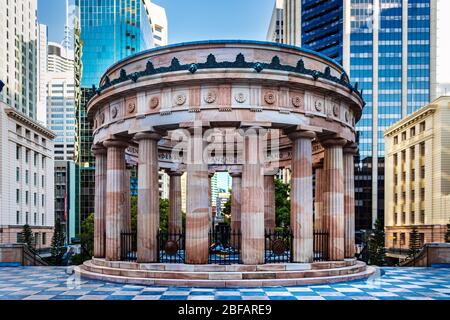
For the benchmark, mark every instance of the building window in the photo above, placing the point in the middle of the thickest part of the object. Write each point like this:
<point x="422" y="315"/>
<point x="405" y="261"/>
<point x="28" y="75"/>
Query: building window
<point x="44" y="238"/>
<point x="422" y="149"/>
<point x="413" y="175"/>
<point x="422" y="194"/>
<point x="394" y="238"/>
<point x="35" y="199"/>
<point x="27" y="173"/>
<point x="35" y="219"/>
<point x="422" y="172"/>
<point x="26" y="197"/>
<point x="35" y="179"/>
<point x="412" y="132"/>
<point x="18" y="174"/>
<point x="27" y="218"/>
<point x="412" y="195"/>
<point x="18" y="217"/>
<point x="422" y="216"/>
<point x="396" y="140"/>
<point x="27" y="155"/>
<point x="18" y="152"/>
<point x="412" y="217"/>
<point x="422" y="126"/>
<point x="17" y="196"/>
<point x="421" y="239"/>
<point x="395" y="159"/>
<point x="43" y="200"/>
<point x="35" y="159"/>
<point x="403" y="155"/>
<point x="395" y="218"/>
<point x="395" y="197"/>
<point x="403" y="176"/>
<point x="412" y="153"/>
<point x="43" y="181"/>
<point x="403" y="217"/>
<point x="43" y="219"/>
<point x="403" y="136"/>
<point x="402" y="239"/>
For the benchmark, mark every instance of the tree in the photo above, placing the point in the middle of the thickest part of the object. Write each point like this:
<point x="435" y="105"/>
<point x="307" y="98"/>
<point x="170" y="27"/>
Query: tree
<point x="377" y="251"/>
<point x="164" y="214"/>
<point x="133" y="212"/>
<point x="87" y="237"/>
<point x="57" y="249"/>
<point x="414" y="242"/>
<point x="282" y="203"/>
<point x="227" y="207"/>
<point x="447" y="235"/>
<point x="27" y="236"/>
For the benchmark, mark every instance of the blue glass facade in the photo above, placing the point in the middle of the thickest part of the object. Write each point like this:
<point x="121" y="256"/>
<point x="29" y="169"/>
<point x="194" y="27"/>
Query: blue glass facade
<point x="322" y="30"/>
<point x="107" y="31"/>
<point x="110" y="31"/>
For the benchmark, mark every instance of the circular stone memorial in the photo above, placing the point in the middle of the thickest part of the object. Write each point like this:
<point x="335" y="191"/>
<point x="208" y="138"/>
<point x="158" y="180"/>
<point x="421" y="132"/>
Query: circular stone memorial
<point x="254" y="110"/>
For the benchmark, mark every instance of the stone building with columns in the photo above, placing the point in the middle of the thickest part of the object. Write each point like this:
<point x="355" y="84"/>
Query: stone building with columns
<point x="245" y="107"/>
<point x="417" y="184"/>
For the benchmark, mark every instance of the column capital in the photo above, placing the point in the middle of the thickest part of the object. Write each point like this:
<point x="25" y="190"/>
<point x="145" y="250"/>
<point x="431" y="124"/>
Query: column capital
<point x="351" y="148"/>
<point x="98" y="149"/>
<point x="147" y="136"/>
<point x="333" y="141"/>
<point x="318" y="165"/>
<point x="118" y="143"/>
<point x="299" y="134"/>
<point x="177" y="173"/>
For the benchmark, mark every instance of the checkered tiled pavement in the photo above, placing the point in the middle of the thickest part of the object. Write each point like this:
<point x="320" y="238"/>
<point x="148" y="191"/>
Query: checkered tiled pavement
<point x="54" y="283"/>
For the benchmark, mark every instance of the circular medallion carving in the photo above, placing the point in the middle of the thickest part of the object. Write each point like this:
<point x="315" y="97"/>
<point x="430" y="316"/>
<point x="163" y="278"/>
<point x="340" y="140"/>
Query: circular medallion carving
<point x="114" y="112"/>
<point x="171" y="248"/>
<point x="319" y="106"/>
<point x="154" y="102"/>
<point x="240" y="97"/>
<point x="180" y="99"/>
<point x="336" y="110"/>
<point x="269" y="97"/>
<point x="211" y="96"/>
<point x="131" y="107"/>
<point x="297" y="101"/>
<point x="278" y="247"/>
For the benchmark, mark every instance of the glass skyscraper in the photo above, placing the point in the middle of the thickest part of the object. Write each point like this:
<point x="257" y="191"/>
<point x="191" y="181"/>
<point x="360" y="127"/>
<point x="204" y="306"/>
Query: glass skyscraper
<point x="388" y="48"/>
<point x="106" y="31"/>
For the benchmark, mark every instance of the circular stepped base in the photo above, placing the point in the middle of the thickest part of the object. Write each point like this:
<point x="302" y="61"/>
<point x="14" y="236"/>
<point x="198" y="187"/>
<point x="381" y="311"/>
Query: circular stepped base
<point x="220" y="276"/>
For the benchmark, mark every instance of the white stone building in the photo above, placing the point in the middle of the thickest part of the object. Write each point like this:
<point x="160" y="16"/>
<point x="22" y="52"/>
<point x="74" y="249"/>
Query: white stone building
<point x="26" y="178"/>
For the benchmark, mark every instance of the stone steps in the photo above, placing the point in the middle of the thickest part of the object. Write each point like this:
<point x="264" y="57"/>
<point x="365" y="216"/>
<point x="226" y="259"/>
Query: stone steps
<point x="225" y="276"/>
<point x="223" y="283"/>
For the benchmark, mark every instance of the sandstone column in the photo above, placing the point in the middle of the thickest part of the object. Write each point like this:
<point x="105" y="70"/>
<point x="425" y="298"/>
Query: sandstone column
<point x="252" y="207"/>
<point x="115" y="197"/>
<point x="100" y="201"/>
<point x="197" y="215"/>
<point x="236" y="201"/>
<point x="148" y="197"/>
<point x="318" y="200"/>
<point x="334" y="196"/>
<point x="269" y="202"/>
<point x="175" y="217"/>
<point x="302" y="223"/>
<point x="349" y="199"/>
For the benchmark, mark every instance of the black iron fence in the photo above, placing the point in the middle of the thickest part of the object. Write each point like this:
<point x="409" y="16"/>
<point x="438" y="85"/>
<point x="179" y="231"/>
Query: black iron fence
<point x="320" y="246"/>
<point x="278" y="246"/>
<point x="225" y="245"/>
<point x="171" y="247"/>
<point x="128" y="246"/>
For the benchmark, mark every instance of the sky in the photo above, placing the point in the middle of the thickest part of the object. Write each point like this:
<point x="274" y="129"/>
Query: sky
<point x="189" y="20"/>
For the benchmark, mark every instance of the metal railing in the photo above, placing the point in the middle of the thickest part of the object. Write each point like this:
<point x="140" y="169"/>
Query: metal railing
<point x="278" y="246"/>
<point x="225" y="245"/>
<point x="128" y="246"/>
<point x="321" y="245"/>
<point x="171" y="247"/>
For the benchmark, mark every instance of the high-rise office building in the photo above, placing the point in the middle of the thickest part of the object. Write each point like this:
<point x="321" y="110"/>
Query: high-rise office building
<point x="105" y="32"/>
<point x="18" y="56"/>
<point x="158" y="20"/>
<point x="389" y="48"/>
<point x="42" y="74"/>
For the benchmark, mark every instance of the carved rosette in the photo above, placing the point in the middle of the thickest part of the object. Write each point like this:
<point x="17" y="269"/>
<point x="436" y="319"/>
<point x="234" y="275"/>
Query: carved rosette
<point x="210" y="97"/>
<point x="180" y="100"/>
<point x="318" y="105"/>
<point x="240" y="97"/>
<point x="336" y="110"/>
<point x="114" y="112"/>
<point x="270" y="97"/>
<point x="131" y="107"/>
<point x="154" y="102"/>
<point x="297" y="101"/>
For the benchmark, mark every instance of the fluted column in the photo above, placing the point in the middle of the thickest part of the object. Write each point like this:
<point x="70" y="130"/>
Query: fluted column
<point x="175" y="217"/>
<point x="319" y="223"/>
<point x="334" y="196"/>
<point x="197" y="215"/>
<point x="148" y="197"/>
<point x="269" y="202"/>
<point x="349" y="199"/>
<point x="236" y="190"/>
<point x="115" y="197"/>
<point x="252" y="207"/>
<point x="302" y="223"/>
<point x="100" y="201"/>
